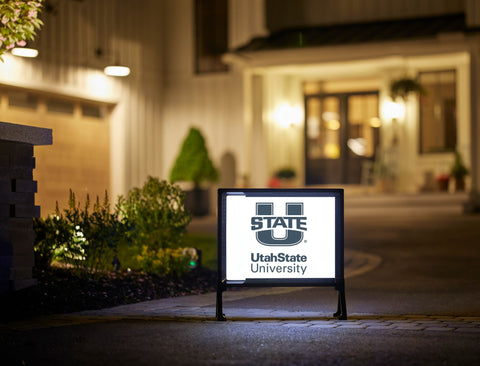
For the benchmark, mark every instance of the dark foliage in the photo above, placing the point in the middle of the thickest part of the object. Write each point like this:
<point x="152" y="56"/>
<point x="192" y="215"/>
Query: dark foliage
<point x="61" y="291"/>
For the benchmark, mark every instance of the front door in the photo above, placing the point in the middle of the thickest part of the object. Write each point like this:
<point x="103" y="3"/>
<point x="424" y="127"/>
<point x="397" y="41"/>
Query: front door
<point x="341" y="135"/>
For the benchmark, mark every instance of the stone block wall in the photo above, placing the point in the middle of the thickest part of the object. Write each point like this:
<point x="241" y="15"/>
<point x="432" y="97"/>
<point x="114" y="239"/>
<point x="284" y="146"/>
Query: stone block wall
<point x="17" y="203"/>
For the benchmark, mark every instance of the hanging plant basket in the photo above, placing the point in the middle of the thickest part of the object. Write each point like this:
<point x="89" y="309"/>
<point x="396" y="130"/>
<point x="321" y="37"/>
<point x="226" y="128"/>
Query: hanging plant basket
<point x="404" y="86"/>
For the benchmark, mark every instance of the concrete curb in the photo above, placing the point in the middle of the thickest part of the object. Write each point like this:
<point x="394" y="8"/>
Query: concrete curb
<point x="427" y="323"/>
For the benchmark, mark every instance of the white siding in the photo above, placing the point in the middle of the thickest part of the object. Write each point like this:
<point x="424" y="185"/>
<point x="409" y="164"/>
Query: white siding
<point x="211" y="102"/>
<point x="128" y="32"/>
<point x="163" y="96"/>
<point x="246" y="21"/>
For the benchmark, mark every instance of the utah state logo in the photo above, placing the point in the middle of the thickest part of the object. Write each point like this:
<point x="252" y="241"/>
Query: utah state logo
<point x="264" y="223"/>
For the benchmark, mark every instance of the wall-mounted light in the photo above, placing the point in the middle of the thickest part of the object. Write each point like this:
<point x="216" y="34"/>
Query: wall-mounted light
<point x="114" y="69"/>
<point x="24" y="52"/>
<point x="117" y="70"/>
<point x="286" y="115"/>
<point x="393" y="110"/>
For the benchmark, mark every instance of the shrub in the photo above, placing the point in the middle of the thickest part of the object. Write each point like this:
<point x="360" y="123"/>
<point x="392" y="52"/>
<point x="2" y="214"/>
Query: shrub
<point x="102" y="229"/>
<point x="86" y="241"/>
<point x="166" y="261"/>
<point x="157" y="214"/>
<point x="151" y="221"/>
<point x="50" y="233"/>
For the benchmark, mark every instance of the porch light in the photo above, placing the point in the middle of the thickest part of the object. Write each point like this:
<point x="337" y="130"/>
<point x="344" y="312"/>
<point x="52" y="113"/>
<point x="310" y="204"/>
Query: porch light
<point x="111" y="59"/>
<point x="286" y="115"/>
<point x="393" y="110"/>
<point x="25" y="52"/>
<point x="117" y="70"/>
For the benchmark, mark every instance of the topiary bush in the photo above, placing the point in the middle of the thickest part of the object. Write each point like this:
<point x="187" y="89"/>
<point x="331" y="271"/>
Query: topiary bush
<point x="193" y="163"/>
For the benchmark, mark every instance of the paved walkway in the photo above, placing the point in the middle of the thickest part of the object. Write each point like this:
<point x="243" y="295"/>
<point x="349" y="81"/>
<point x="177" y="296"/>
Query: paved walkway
<point x="201" y="308"/>
<point x="285" y="319"/>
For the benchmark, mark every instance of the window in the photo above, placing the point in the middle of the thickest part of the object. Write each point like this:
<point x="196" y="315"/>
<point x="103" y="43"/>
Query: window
<point x="438" y="122"/>
<point x="60" y="106"/>
<point x="362" y="121"/>
<point x="323" y="128"/>
<point x="93" y="110"/>
<point x="211" y="35"/>
<point x="22" y="99"/>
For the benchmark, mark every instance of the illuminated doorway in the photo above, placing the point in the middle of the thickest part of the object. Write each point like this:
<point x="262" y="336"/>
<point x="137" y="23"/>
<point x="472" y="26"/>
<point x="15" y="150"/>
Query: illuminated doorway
<point x="341" y="136"/>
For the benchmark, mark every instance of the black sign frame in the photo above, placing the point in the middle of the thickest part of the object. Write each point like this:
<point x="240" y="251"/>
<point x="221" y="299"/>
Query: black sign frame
<point x="338" y="282"/>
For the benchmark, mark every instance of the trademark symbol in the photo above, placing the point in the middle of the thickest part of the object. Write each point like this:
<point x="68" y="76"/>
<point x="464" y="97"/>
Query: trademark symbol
<point x="304" y="241"/>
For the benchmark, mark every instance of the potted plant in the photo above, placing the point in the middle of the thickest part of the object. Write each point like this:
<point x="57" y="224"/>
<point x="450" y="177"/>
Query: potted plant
<point x="194" y="165"/>
<point x="283" y="178"/>
<point x="459" y="171"/>
<point x="442" y="182"/>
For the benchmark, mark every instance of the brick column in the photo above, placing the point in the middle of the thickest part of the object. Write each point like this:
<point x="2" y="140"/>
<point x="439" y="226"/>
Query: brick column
<point x="473" y="204"/>
<point x="17" y="203"/>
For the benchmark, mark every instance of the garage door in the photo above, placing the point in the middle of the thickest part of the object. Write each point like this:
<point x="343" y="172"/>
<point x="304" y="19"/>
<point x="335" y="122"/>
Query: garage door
<point x="79" y="158"/>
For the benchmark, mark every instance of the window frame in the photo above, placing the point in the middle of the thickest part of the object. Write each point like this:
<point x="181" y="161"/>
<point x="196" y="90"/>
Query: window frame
<point x="205" y="16"/>
<point x="445" y="149"/>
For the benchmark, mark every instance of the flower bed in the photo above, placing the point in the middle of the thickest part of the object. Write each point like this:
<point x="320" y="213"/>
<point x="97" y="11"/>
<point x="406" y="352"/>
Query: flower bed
<point x="61" y="291"/>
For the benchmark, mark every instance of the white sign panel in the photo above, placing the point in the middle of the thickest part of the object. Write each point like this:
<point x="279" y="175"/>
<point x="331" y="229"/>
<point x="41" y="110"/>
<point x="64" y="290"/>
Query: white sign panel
<point x="279" y="237"/>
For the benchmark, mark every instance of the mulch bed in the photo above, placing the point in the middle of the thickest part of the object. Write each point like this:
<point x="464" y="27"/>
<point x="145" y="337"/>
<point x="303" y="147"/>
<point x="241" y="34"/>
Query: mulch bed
<point x="60" y="291"/>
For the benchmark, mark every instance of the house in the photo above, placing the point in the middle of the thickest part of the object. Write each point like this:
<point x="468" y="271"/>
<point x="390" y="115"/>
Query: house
<point x="304" y="84"/>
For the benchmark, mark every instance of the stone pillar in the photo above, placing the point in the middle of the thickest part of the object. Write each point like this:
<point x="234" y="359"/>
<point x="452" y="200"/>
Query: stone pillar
<point x="17" y="203"/>
<point x="473" y="204"/>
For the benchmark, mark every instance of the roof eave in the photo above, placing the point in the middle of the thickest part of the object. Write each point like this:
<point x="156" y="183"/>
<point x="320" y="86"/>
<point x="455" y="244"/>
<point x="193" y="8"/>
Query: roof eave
<point x="442" y="43"/>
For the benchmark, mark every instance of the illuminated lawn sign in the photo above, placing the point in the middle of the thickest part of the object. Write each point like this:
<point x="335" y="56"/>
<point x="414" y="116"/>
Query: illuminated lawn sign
<point x="280" y="237"/>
